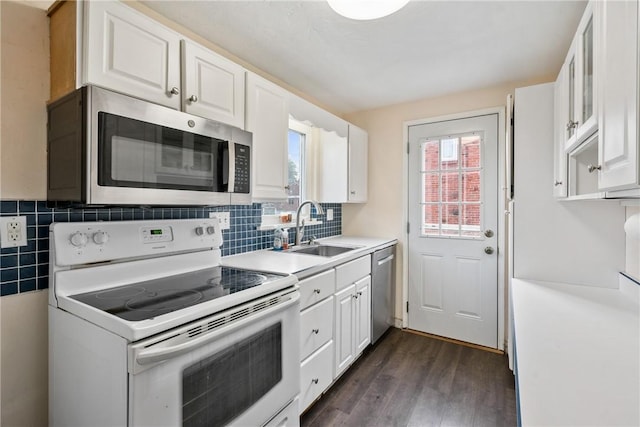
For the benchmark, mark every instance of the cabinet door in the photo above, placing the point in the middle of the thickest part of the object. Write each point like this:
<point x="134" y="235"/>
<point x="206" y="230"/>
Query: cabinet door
<point x="331" y="166"/>
<point x="618" y="149"/>
<point x="363" y="314"/>
<point x="560" y="155"/>
<point x="213" y="86"/>
<point x="130" y="53"/>
<point x="344" y="329"/>
<point x="267" y="117"/>
<point x="358" y="163"/>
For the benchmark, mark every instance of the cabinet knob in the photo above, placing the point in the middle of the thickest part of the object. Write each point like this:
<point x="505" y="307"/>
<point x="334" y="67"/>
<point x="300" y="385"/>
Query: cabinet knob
<point x="355" y="296"/>
<point x="316" y="291"/>
<point x="592" y="168"/>
<point x="175" y="91"/>
<point x="193" y="98"/>
<point x="359" y="293"/>
<point x="287" y="187"/>
<point x="315" y="331"/>
<point x="572" y="125"/>
<point x="315" y="380"/>
<point x="353" y="192"/>
<point x="488" y="250"/>
<point x="556" y="183"/>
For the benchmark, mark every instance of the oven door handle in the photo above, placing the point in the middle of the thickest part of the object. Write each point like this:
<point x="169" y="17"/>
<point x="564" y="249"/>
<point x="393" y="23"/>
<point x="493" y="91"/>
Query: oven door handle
<point x="147" y="356"/>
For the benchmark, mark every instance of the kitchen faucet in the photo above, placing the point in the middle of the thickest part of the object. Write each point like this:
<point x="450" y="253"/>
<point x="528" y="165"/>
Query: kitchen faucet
<point x="300" y="227"/>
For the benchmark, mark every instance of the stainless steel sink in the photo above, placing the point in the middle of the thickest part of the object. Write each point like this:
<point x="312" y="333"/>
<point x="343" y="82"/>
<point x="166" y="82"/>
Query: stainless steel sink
<point x="321" y="250"/>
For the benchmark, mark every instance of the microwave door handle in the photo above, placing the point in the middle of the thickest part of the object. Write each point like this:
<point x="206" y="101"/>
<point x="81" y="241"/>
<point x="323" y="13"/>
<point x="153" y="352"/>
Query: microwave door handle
<point x="153" y="355"/>
<point x="232" y="167"/>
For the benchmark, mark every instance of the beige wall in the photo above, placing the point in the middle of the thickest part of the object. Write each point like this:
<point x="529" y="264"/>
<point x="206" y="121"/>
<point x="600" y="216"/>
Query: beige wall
<point x="632" y="262"/>
<point x="24" y="88"/>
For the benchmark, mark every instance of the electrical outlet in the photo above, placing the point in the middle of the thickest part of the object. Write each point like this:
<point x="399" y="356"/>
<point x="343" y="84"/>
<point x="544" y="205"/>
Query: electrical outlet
<point x="224" y="219"/>
<point x="13" y="231"/>
<point x="329" y="214"/>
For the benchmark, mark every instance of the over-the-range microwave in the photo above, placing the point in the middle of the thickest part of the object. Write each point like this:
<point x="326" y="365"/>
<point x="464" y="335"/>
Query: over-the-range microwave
<point x="105" y="148"/>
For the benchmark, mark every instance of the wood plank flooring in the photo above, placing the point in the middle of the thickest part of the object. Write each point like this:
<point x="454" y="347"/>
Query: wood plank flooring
<point x="411" y="380"/>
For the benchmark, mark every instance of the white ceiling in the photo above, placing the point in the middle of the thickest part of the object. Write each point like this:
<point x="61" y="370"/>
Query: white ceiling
<point x="427" y="49"/>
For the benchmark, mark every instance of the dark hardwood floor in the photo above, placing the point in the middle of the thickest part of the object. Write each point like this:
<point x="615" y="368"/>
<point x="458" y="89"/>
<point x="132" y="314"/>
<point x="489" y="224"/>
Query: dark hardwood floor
<point x="411" y="380"/>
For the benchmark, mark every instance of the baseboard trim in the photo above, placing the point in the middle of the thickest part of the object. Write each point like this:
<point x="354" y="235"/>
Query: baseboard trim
<point x="453" y="341"/>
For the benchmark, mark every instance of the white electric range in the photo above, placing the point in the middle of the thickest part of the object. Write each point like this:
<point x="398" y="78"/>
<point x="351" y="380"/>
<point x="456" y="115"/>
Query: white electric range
<point x="146" y="328"/>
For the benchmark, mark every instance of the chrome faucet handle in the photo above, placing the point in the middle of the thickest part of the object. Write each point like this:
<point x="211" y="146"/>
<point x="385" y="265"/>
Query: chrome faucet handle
<point x="312" y="240"/>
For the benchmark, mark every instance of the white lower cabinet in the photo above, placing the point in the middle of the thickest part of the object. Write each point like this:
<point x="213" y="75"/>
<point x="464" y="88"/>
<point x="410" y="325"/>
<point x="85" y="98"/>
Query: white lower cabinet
<point x="315" y="327"/>
<point x="345" y="322"/>
<point x="335" y="325"/>
<point x="352" y="312"/>
<point x="316" y="375"/>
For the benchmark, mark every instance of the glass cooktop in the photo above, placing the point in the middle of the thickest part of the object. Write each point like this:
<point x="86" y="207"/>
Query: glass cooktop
<point x="146" y="300"/>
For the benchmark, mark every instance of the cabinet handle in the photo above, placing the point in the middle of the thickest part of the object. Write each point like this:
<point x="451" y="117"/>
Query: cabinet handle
<point x="592" y="168"/>
<point x="193" y="98"/>
<point x="315" y="381"/>
<point x="175" y="91"/>
<point x="556" y="183"/>
<point x="315" y="331"/>
<point x="316" y="291"/>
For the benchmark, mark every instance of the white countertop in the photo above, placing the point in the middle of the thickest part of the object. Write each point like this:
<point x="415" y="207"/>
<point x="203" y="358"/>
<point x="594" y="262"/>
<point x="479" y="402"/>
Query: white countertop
<point x="578" y="353"/>
<point x="303" y="265"/>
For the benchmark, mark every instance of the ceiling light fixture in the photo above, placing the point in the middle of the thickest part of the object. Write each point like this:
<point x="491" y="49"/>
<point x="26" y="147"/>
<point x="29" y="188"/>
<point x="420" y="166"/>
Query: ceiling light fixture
<point x="366" y="9"/>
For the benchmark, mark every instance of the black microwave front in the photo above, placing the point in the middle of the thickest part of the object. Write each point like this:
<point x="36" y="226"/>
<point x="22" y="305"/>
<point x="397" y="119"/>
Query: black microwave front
<point x="105" y="148"/>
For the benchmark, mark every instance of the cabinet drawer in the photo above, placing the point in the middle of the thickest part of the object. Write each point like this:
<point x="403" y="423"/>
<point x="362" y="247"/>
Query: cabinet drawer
<point x="316" y="327"/>
<point x="315" y="375"/>
<point x="317" y="288"/>
<point x="352" y="271"/>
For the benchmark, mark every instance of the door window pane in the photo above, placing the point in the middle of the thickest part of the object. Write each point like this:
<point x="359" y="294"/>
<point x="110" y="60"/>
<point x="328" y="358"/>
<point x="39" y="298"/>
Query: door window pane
<point x="587" y="76"/>
<point x="452" y="186"/>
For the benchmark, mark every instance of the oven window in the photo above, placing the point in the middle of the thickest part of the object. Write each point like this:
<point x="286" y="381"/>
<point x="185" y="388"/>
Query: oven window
<point x="219" y="388"/>
<point x="132" y="153"/>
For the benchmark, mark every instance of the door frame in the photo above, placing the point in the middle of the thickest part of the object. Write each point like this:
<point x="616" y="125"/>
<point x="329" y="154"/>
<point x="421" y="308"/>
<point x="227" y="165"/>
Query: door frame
<point x="502" y="209"/>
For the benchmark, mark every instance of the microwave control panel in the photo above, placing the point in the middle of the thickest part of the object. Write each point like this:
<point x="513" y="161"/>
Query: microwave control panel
<point x="242" y="180"/>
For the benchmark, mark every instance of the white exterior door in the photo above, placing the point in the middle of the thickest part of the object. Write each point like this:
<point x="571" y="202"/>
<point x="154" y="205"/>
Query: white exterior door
<point x="453" y="219"/>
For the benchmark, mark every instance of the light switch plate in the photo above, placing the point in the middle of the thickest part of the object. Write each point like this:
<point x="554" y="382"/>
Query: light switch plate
<point x="224" y="219"/>
<point x="13" y="231"/>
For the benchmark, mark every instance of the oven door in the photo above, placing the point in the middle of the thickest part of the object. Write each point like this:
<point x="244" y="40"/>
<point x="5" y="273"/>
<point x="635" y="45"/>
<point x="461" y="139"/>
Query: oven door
<point x="238" y="367"/>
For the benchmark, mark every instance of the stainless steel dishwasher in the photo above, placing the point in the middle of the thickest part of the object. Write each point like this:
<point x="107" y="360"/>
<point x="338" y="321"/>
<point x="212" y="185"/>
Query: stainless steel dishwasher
<point x="383" y="275"/>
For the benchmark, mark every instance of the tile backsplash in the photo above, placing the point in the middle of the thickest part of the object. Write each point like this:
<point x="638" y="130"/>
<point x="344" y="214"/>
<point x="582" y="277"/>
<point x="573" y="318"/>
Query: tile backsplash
<point x="26" y="268"/>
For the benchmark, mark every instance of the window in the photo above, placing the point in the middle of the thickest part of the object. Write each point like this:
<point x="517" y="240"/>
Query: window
<point x="298" y="139"/>
<point x="451" y="187"/>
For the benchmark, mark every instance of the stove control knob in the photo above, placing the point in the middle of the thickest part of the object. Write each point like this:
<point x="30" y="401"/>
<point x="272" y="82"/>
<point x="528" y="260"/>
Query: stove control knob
<point x="78" y="239"/>
<point x="199" y="231"/>
<point x="100" y="237"/>
<point x="210" y="229"/>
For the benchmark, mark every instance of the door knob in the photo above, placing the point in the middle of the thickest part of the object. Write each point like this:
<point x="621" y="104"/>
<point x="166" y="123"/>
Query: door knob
<point x="488" y="233"/>
<point x="488" y="250"/>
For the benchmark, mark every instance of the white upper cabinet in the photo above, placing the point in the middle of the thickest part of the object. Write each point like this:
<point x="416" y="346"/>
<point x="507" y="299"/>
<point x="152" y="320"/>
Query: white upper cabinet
<point x="618" y="97"/>
<point x="358" y="164"/>
<point x="560" y="155"/>
<point x="579" y="84"/>
<point x="213" y="86"/>
<point x="267" y="117"/>
<point x="126" y="51"/>
<point x="331" y="166"/>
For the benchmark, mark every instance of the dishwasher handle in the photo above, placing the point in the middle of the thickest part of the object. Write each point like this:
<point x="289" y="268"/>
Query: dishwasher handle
<point x="385" y="260"/>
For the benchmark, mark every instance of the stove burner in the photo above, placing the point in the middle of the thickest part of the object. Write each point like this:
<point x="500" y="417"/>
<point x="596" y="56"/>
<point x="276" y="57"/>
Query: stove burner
<point x="165" y="300"/>
<point x="120" y="293"/>
<point x="152" y="298"/>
